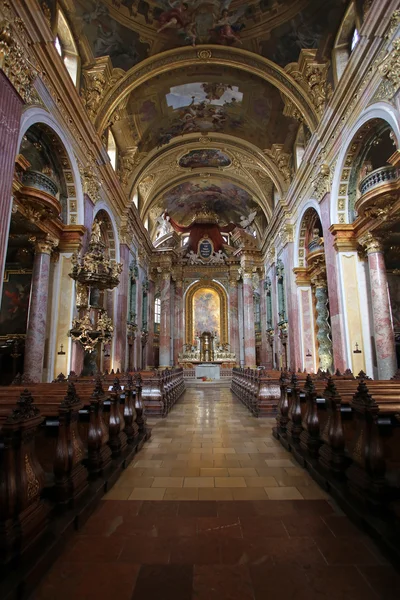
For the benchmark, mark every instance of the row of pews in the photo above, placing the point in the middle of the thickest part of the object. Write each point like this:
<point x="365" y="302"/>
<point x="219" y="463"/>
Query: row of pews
<point x="346" y="431"/>
<point x="62" y="446"/>
<point x="258" y="390"/>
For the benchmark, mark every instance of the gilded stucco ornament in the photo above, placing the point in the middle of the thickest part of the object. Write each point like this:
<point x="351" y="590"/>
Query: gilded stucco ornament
<point x="90" y="182"/>
<point x="15" y="64"/>
<point x="322" y="183"/>
<point x="282" y="160"/>
<point x="98" y="79"/>
<point x="311" y="75"/>
<point x="286" y="234"/>
<point x="130" y="159"/>
<point x="390" y="68"/>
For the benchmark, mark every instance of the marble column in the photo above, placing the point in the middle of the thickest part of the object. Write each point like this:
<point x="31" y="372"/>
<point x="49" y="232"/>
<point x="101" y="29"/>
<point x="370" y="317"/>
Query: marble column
<point x="264" y="359"/>
<point x="248" y="318"/>
<point x="120" y="337"/>
<point x="381" y="309"/>
<point x="10" y="114"/>
<point x="36" y="330"/>
<point x="178" y="319"/>
<point x="150" y="325"/>
<point x="165" y="324"/>
<point x="234" y="318"/>
<point x="324" y="329"/>
<point x="336" y="315"/>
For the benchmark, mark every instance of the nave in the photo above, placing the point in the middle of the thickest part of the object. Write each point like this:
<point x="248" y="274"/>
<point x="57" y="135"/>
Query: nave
<point x="214" y="508"/>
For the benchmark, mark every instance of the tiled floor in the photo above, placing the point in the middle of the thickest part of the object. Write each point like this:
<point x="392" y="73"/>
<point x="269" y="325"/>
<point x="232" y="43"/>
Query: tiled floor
<point x="238" y="520"/>
<point x="211" y="448"/>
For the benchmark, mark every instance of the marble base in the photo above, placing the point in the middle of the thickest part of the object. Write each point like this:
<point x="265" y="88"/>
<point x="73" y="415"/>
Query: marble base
<point x="209" y="371"/>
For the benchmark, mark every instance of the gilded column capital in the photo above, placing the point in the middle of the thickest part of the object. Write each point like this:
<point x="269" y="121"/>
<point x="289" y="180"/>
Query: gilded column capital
<point x="15" y="64"/>
<point x="44" y="245"/>
<point x="371" y="243"/>
<point x="233" y="281"/>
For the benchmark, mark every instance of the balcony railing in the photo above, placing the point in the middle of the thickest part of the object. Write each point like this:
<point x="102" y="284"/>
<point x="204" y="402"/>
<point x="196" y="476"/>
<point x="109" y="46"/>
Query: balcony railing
<point x="39" y="181"/>
<point x="379" y="177"/>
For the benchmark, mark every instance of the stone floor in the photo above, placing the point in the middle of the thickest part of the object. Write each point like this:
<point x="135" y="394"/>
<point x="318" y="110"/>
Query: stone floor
<point x="214" y="508"/>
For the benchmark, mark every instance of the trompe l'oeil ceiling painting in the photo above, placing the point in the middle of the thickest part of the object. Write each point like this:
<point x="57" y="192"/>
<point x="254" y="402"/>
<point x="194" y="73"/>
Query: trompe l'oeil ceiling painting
<point x="211" y="101"/>
<point x="230" y="201"/>
<point x="131" y="30"/>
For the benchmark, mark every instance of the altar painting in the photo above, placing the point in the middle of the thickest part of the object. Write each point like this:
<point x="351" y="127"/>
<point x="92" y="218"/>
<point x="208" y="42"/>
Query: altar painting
<point x="206" y="311"/>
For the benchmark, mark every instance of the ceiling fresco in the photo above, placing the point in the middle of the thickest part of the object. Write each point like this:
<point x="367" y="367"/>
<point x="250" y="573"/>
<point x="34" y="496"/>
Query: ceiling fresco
<point x="131" y="30"/>
<point x="210" y="101"/>
<point x="228" y="200"/>
<point x="204" y="158"/>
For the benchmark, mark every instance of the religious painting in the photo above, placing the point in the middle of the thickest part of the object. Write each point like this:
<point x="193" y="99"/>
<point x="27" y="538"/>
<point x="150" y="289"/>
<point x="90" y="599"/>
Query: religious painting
<point x="206" y="311"/>
<point x="223" y="197"/>
<point x="204" y="158"/>
<point x="105" y="35"/>
<point x="15" y="303"/>
<point x="201" y="107"/>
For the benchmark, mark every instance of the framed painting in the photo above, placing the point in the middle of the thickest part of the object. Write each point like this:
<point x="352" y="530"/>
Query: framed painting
<point x="15" y="302"/>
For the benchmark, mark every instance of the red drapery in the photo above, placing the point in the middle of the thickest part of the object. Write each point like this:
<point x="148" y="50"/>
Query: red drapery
<point x="198" y="231"/>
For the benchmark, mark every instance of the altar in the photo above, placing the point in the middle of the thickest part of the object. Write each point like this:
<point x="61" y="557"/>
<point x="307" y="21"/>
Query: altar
<point x="209" y="370"/>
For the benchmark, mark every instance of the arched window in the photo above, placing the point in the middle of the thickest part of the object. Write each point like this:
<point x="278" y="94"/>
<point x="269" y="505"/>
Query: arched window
<point x="112" y="149"/>
<point x="157" y="314"/>
<point x="346" y="40"/>
<point x="354" y="39"/>
<point x="66" y="47"/>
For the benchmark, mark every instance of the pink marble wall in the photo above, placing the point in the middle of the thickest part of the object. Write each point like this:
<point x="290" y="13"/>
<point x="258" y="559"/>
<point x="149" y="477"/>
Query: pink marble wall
<point x="36" y="330"/>
<point x="178" y="319"/>
<point x="137" y="356"/>
<point x="248" y="325"/>
<point x="120" y="343"/>
<point x="383" y="325"/>
<point x="308" y="326"/>
<point x="10" y="114"/>
<point x="338" y="336"/>
<point x="150" y="321"/>
<point x="165" y="325"/>
<point x="234" y="319"/>
<point x="264" y="357"/>
<point x="294" y="352"/>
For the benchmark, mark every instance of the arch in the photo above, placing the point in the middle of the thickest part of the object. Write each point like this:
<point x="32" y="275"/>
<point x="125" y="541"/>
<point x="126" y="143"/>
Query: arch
<point x="223" y="297"/>
<point x="379" y="111"/>
<point x="299" y="254"/>
<point x="69" y="52"/>
<point x="211" y="55"/>
<point x="110" y="230"/>
<point x="36" y="115"/>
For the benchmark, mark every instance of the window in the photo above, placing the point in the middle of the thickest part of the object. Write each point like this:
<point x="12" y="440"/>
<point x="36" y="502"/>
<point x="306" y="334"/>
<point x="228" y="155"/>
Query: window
<point x="354" y="39"/>
<point x="135" y="199"/>
<point x="112" y="149"/>
<point x="157" y="310"/>
<point x="57" y="44"/>
<point x="66" y="47"/>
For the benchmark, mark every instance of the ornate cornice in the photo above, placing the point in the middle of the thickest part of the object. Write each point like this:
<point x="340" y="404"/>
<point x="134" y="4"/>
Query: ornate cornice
<point x="390" y="67"/>
<point x="98" y="79"/>
<point x="282" y="160"/>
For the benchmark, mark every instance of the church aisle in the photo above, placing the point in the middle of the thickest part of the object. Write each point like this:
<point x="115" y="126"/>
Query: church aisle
<point x="214" y="508"/>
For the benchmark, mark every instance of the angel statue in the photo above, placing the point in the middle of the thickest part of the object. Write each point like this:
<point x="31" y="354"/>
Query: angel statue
<point x="163" y="226"/>
<point x="246" y="222"/>
<point x="227" y="27"/>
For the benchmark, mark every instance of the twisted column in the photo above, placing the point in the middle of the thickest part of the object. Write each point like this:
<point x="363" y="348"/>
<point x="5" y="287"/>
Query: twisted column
<point x="381" y="308"/>
<point x="36" y="330"/>
<point x="325" y="351"/>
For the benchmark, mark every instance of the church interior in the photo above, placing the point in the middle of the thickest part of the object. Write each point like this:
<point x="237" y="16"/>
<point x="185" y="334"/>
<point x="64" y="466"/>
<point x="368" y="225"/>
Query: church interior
<point x="199" y="299"/>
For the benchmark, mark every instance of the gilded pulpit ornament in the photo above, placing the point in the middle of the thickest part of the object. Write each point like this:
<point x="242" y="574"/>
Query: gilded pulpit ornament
<point x="93" y="272"/>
